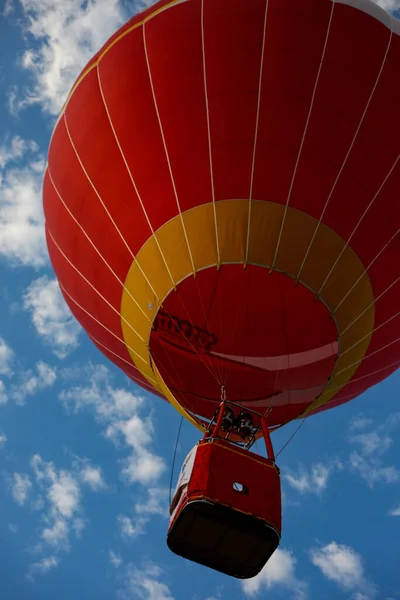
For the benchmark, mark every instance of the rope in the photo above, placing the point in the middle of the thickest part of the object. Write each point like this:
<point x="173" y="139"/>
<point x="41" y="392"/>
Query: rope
<point x="253" y="162"/>
<point x="345" y="162"/>
<point x="209" y="134"/>
<point x="366" y="270"/>
<point x="166" y="150"/>
<point x="291" y="437"/>
<point x="173" y="459"/>
<point x="229" y="370"/>
<point x="312" y="100"/>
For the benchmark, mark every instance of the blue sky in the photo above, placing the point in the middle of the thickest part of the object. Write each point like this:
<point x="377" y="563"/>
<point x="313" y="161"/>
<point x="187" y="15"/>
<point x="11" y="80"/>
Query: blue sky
<point x="85" y="455"/>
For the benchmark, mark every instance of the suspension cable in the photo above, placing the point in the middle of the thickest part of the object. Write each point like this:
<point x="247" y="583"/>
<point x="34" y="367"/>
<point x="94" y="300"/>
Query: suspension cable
<point x="291" y="437"/>
<point x="173" y="459"/>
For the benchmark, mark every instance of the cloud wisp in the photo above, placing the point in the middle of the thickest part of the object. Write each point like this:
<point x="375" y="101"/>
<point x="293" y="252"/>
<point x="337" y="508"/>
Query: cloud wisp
<point x="125" y="419"/>
<point x="144" y="583"/>
<point x="280" y="573"/>
<point x="344" y="566"/>
<point x="22" y="240"/>
<point x="21" y="486"/>
<point x="43" y="566"/>
<point x="127" y="422"/>
<point x="313" y="480"/>
<point x="61" y="37"/>
<point x="51" y="316"/>
<point x="114" y="559"/>
<point x="6" y="358"/>
<point x="372" y="444"/>
<point x="63" y="492"/>
<point x="30" y="382"/>
<point x="6" y="361"/>
<point x="395" y="512"/>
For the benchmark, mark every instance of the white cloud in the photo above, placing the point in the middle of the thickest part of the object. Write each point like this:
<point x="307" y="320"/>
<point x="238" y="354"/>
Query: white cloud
<point x="11" y="150"/>
<point x="13" y="102"/>
<point x="109" y="404"/>
<point x="51" y="316"/>
<point x="43" y="566"/>
<point x="3" y="437"/>
<point x="122" y="414"/>
<point x="63" y="492"/>
<point x="372" y="442"/>
<point x="22" y="239"/>
<point x="114" y="559"/>
<point x="395" y="512"/>
<point x="42" y="469"/>
<point x="136" y="431"/>
<point x="6" y="357"/>
<point x="20" y="487"/>
<point x="8" y="8"/>
<point x="28" y="383"/>
<point x="372" y="470"/>
<point x="313" y="481"/>
<point x="3" y="393"/>
<point x="129" y="528"/>
<point x="66" y="35"/>
<point x="278" y="572"/>
<point x="93" y="477"/>
<point x="155" y="503"/>
<point x="57" y="534"/>
<point x="38" y="503"/>
<point x="31" y="383"/>
<point x="143" y="467"/>
<point x="360" y="422"/>
<point x="6" y="360"/>
<point x="78" y="526"/>
<point x="145" y="584"/>
<point x="46" y="374"/>
<point x="368" y="460"/>
<point x="392" y="421"/>
<point x="344" y="566"/>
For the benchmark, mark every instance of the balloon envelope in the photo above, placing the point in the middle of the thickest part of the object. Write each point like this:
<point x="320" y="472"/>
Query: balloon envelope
<point x="221" y="202"/>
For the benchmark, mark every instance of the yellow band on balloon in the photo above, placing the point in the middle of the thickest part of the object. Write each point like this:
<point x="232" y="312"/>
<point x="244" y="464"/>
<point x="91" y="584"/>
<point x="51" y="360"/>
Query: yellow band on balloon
<point x="168" y="256"/>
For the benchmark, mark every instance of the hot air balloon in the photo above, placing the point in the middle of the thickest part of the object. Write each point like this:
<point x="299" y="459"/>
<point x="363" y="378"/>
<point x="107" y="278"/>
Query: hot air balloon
<point x="222" y="214"/>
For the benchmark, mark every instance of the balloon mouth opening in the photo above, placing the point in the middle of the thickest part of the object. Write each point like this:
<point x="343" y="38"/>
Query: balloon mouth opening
<point x="267" y="340"/>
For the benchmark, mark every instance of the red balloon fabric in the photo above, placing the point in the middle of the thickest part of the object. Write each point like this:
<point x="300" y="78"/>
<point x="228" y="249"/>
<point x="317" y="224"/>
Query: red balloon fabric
<point x="222" y="202"/>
